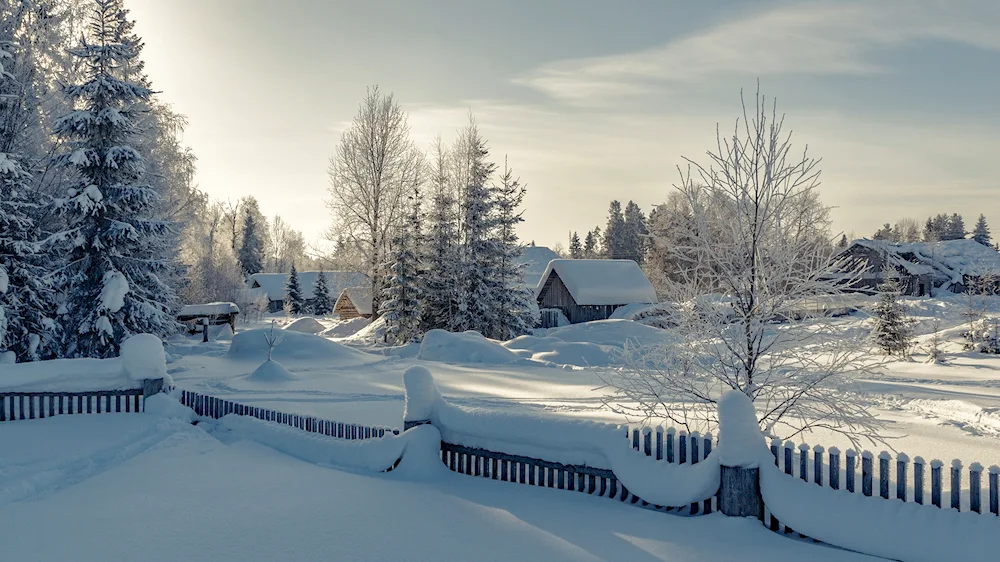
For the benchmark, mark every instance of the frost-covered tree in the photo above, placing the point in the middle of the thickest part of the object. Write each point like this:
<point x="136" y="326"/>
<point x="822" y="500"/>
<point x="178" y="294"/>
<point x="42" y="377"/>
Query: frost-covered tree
<point x="891" y="332"/>
<point x="575" y="248"/>
<point x="884" y="233"/>
<point x="956" y="228"/>
<point x="748" y="276"/>
<point x="515" y="315"/>
<point x="401" y="303"/>
<point x="477" y="278"/>
<point x="590" y="245"/>
<point x="112" y="283"/>
<point x="440" y="301"/>
<point x="252" y="240"/>
<point x="634" y="234"/>
<point x="842" y="244"/>
<point x="614" y="233"/>
<point x="981" y="233"/>
<point x="295" y="303"/>
<point x="322" y="300"/>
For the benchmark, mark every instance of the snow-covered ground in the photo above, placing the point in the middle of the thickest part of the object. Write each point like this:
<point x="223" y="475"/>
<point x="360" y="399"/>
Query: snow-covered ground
<point x="135" y="487"/>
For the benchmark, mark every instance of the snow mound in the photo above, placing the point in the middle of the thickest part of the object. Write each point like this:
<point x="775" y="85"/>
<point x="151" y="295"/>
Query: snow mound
<point x="306" y="325"/>
<point x="661" y="315"/>
<point x="467" y="347"/>
<point x="609" y="332"/>
<point x="7" y="358"/>
<point x="223" y="332"/>
<point x="373" y="333"/>
<point x="740" y="441"/>
<point x="143" y="357"/>
<point x="251" y="345"/>
<point x="164" y="406"/>
<point x="346" y="328"/>
<point x="270" y="371"/>
<point x="555" y="350"/>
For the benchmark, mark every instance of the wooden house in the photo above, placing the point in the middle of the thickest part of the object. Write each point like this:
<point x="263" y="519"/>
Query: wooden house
<point x="585" y="290"/>
<point x="273" y="284"/>
<point x="354" y="302"/>
<point x="217" y="314"/>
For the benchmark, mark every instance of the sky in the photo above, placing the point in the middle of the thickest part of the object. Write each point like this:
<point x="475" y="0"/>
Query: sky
<point x="591" y="100"/>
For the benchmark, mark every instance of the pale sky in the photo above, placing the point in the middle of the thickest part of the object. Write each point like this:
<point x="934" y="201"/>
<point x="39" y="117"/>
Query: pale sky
<point x="591" y="100"/>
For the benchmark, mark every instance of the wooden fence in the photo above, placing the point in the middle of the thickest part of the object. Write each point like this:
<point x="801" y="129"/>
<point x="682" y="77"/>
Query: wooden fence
<point x="666" y="445"/>
<point x="36" y="405"/>
<point x="213" y="407"/>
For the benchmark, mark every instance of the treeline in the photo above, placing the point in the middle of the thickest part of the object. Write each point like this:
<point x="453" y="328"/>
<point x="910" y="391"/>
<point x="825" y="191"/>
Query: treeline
<point x="625" y="236"/>
<point x="102" y="230"/>
<point x="936" y="228"/>
<point x="436" y="233"/>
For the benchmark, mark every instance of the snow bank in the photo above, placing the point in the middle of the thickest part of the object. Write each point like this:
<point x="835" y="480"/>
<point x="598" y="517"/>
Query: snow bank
<point x="663" y="483"/>
<point x="345" y="328"/>
<point x="421" y="458"/>
<point x="7" y="357"/>
<point x="741" y="443"/>
<point x="143" y="357"/>
<point x="888" y="528"/>
<point x="270" y="371"/>
<point x="609" y="332"/>
<point x="294" y="346"/>
<point x="164" y="406"/>
<point x="306" y="325"/>
<point x="65" y="375"/>
<point x="467" y="347"/>
<point x="422" y="395"/>
<point x="209" y="309"/>
<point x="555" y="350"/>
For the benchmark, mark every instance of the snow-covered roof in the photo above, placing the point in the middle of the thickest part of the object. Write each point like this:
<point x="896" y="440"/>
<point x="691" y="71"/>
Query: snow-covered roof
<point x="600" y="282"/>
<point x="274" y="283"/>
<point x="209" y="309"/>
<point x="535" y="260"/>
<point x="953" y="259"/>
<point x="360" y="296"/>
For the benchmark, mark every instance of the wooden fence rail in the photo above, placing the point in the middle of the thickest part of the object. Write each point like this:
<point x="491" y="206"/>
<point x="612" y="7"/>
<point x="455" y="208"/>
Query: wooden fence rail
<point x="213" y="407"/>
<point x="37" y="405"/>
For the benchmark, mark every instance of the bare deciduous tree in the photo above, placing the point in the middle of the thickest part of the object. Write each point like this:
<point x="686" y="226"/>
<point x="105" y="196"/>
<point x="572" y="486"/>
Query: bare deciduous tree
<point x="374" y="166"/>
<point x="754" y="276"/>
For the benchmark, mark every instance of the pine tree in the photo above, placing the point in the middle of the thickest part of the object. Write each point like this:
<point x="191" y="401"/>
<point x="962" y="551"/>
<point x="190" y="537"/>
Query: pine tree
<point x="295" y="303"/>
<point x="891" y="333"/>
<point x="884" y="233"/>
<point x="614" y="233"/>
<point x="477" y="277"/>
<point x="575" y="249"/>
<point x="322" y="300"/>
<point x="843" y="242"/>
<point x="981" y="233"/>
<point x="634" y="234"/>
<point x="251" y="251"/>
<point x="400" y="306"/>
<point x="955" y="228"/>
<point x="930" y="232"/>
<point x="440" y="302"/>
<point x="112" y="282"/>
<point x="589" y="245"/>
<point x="514" y="311"/>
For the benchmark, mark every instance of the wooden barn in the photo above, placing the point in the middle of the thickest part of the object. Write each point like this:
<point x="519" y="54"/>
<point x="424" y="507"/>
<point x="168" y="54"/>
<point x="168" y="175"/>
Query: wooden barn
<point x="585" y="290"/>
<point x="354" y="302"/>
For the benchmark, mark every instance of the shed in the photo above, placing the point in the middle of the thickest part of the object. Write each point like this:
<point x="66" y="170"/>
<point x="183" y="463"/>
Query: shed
<point x="354" y="302"/>
<point x="217" y="313"/>
<point x="585" y="290"/>
<point x="274" y="284"/>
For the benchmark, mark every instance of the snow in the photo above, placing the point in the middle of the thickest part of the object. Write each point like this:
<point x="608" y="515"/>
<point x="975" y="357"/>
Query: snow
<point x="4" y="280"/>
<point x="608" y="332"/>
<point x="360" y="297"/>
<point x="888" y="528"/>
<point x="274" y="283"/>
<point x="126" y="487"/>
<point x="164" y="406"/>
<point x="66" y="375"/>
<point x="741" y="444"/>
<point x="6" y="357"/>
<point x="143" y="357"/>
<point x="270" y="371"/>
<point x="209" y="309"/>
<point x="113" y="290"/>
<point x="306" y="325"/>
<point x="601" y="282"/>
<point x="422" y="394"/>
<point x="104" y="325"/>
<point x="345" y="328"/>
<point x="663" y="483"/>
<point x="950" y="259"/>
<point x="535" y="259"/>
<point x="555" y="350"/>
<point x="251" y="345"/>
<point x="465" y="347"/>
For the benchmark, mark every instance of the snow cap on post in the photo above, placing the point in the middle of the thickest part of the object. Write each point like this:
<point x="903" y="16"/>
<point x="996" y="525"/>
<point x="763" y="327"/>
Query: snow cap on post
<point x="741" y="443"/>
<point x="422" y="395"/>
<point x="143" y="357"/>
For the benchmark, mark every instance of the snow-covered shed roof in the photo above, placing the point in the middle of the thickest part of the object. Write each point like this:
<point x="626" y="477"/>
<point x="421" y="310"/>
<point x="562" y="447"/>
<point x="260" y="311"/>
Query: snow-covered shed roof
<point x="360" y="296"/>
<point x="601" y="282"/>
<point x="274" y="283"/>
<point x="535" y="260"/>
<point x="893" y="251"/>
<point x="953" y="259"/>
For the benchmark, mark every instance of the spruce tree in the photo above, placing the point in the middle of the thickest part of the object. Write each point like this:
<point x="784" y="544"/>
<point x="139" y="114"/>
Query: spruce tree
<point x="589" y="245"/>
<point x="400" y="306"/>
<point x="843" y="242"/>
<point x="891" y="333"/>
<point x="514" y="311"/>
<point x="930" y="233"/>
<point x="635" y="233"/>
<point x="981" y="233"/>
<point x="614" y="233"/>
<point x="956" y="228"/>
<point x="440" y="302"/>
<point x="295" y="304"/>
<point x="575" y="249"/>
<point x="251" y="250"/>
<point x="112" y="282"/>
<point x="322" y="301"/>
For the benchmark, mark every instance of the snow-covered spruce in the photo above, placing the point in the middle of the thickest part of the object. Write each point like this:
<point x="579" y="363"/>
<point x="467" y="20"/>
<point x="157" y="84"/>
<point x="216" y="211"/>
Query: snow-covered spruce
<point x="892" y="332"/>
<point x="402" y="294"/>
<point x="322" y="301"/>
<point x="440" y="303"/>
<point x="295" y="304"/>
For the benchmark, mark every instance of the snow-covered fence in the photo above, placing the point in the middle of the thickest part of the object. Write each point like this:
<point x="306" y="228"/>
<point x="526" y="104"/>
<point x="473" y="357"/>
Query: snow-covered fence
<point x="213" y="407"/>
<point x="37" y="405"/>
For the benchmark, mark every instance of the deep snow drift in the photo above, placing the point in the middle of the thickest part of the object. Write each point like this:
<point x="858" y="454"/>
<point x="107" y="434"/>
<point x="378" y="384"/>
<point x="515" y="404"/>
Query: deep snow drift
<point x="306" y="325"/>
<point x="467" y="347"/>
<point x="251" y="345"/>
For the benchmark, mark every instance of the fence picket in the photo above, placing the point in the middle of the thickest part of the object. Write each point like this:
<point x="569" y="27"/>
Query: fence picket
<point x="901" y="461"/>
<point x="707" y="506"/>
<point x="956" y="484"/>
<point x="818" y="464"/>
<point x="695" y="437"/>
<point x="682" y="447"/>
<point x="975" y="487"/>
<point x="918" y="480"/>
<point x="994" y="491"/>
<point x="647" y="441"/>
<point x="804" y="462"/>
<point x="883" y="474"/>
<point x="670" y="444"/>
<point x="834" y="454"/>
<point x="936" y="482"/>
<point x="866" y="473"/>
<point x="659" y="442"/>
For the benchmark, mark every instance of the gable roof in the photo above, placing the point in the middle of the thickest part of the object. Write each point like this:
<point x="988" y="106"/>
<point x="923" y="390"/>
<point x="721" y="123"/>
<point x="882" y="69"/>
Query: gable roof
<point x="360" y="297"/>
<point x="274" y="283"/>
<point x="600" y="282"/>
<point x="947" y="259"/>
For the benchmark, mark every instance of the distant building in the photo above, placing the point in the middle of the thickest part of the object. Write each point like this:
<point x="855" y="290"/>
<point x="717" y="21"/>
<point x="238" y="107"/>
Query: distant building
<point x="585" y="290"/>
<point x="273" y="284"/>
<point x="922" y="267"/>
<point x="354" y="302"/>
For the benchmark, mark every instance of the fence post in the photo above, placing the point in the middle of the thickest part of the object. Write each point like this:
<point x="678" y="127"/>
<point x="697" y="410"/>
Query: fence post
<point x="956" y="484"/>
<point x="994" y="493"/>
<point x="975" y="487"/>
<point x="834" y="468"/>
<point x="936" y="482"/>
<point x="850" y="468"/>
<point x="883" y="474"/>
<point x="150" y="387"/>
<point x="901" y="461"/>
<point x="918" y="480"/>
<point x="739" y="479"/>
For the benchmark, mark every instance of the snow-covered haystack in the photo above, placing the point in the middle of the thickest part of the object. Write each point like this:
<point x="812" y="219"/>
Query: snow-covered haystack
<point x="306" y="325"/>
<point x="294" y="346"/>
<point x="467" y="347"/>
<point x="143" y="358"/>
<point x="270" y="371"/>
<point x="346" y="328"/>
<point x="555" y="350"/>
